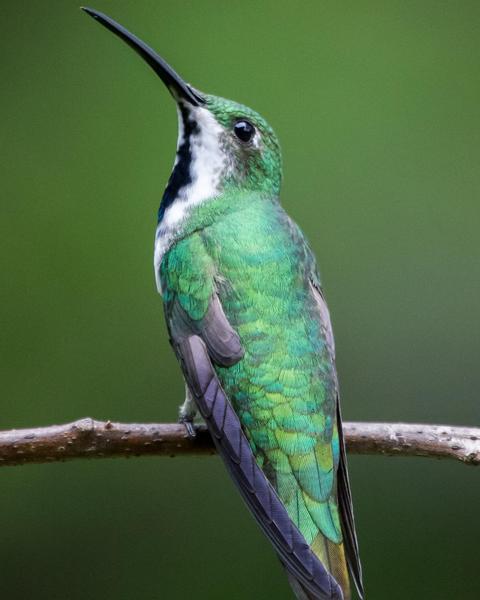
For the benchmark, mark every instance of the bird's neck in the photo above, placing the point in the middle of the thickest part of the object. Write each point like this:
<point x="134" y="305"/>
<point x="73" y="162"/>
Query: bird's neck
<point x="199" y="168"/>
<point x="180" y="220"/>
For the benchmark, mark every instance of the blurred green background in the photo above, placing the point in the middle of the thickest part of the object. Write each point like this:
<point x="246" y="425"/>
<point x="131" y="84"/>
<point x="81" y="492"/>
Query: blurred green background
<point x="377" y="107"/>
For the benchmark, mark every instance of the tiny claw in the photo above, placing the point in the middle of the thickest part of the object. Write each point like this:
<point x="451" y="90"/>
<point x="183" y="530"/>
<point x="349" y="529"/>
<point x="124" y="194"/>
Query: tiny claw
<point x="189" y="426"/>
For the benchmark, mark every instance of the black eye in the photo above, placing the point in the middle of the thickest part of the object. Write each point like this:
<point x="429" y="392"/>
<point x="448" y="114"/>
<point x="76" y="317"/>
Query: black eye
<point x="244" y="130"/>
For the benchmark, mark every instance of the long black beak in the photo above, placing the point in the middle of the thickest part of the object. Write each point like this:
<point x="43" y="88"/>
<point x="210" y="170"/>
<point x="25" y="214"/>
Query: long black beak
<point x="177" y="86"/>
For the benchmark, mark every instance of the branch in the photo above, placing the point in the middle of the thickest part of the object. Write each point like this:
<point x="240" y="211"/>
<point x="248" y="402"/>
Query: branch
<point x="87" y="438"/>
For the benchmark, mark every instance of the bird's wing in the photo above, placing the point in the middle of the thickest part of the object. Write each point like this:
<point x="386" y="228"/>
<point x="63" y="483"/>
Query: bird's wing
<point x="343" y="485"/>
<point x="201" y="336"/>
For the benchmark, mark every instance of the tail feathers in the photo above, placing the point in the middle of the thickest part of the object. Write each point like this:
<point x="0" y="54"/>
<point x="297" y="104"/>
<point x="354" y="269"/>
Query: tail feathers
<point x="300" y="592"/>
<point x="333" y="557"/>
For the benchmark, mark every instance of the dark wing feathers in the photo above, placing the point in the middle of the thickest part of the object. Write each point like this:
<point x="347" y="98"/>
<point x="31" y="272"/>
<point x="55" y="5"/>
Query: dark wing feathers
<point x="344" y="494"/>
<point x="222" y="341"/>
<point x="254" y="487"/>
<point x="346" y="511"/>
<point x="196" y="345"/>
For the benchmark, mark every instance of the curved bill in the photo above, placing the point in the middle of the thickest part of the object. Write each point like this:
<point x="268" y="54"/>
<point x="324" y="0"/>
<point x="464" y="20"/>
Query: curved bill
<point x="179" y="88"/>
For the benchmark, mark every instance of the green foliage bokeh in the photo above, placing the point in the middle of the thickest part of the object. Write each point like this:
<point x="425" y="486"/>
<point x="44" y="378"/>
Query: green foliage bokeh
<point x="376" y="106"/>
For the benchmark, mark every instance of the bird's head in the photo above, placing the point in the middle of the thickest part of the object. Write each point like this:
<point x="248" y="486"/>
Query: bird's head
<point x="221" y="144"/>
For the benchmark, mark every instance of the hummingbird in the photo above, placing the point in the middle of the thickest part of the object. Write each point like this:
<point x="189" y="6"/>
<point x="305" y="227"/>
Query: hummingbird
<point x="248" y="322"/>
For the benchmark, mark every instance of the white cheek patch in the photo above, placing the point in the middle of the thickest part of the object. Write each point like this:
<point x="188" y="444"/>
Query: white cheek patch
<point x="208" y="160"/>
<point x="208" y="166"/>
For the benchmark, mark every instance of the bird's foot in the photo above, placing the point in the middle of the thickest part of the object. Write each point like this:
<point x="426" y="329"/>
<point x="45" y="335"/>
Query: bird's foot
<point x="189" y="426"/>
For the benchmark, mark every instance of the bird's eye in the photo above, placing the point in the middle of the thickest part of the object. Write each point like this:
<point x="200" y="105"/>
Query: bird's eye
<point x="244" y="130"/>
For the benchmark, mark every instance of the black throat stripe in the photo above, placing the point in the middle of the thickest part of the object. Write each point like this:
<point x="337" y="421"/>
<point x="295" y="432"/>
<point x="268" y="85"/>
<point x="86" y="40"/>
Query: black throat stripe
<point x="181" y="175"/>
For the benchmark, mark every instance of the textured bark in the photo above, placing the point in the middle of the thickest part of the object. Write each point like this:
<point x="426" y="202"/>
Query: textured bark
<point x="88" y="438"/>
